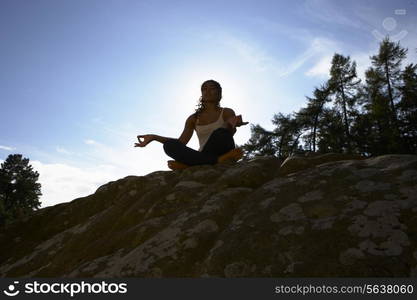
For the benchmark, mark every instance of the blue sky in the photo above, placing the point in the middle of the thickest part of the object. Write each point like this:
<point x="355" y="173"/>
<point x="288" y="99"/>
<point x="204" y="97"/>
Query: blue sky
<point x="80" y="79"/>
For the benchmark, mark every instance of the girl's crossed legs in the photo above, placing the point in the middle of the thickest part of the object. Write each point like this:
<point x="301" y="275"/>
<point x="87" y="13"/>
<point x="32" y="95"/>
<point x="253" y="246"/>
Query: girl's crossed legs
<point x="220" y="142"/>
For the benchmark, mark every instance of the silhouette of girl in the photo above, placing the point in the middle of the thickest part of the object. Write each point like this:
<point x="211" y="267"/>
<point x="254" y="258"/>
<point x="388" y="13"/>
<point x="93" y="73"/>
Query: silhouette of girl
<point x="215" y="127"/>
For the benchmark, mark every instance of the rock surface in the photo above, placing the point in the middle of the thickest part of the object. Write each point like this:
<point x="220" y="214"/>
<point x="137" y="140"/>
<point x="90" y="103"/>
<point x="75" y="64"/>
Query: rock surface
<point x="311" y="217"/>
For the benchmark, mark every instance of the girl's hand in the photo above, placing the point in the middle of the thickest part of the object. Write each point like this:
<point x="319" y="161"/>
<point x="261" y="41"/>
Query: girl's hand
<point x="240" y="122"/>
<point x="236" y="121"/>
<point x="144" y="140"/>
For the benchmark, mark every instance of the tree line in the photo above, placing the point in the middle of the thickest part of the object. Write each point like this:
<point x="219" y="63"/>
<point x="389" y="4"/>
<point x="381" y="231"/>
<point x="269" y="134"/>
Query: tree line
<point x="346" y="115"/>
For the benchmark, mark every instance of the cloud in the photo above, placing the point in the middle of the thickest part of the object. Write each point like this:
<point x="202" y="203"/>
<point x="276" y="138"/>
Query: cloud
<point x="7" y="148"/>
<point x="320" y="49"/>
<point x="252" y="54"/>
<point x="331" y="12"/>
<point x="122" y="155"/>
<point x="321" y="68"/>
<point x="316" y="48"/>
<point x="279" y="29"/>
<point x="90" y="142"/>
<point x="63" y="182"/>
<point x="63" y="150"/>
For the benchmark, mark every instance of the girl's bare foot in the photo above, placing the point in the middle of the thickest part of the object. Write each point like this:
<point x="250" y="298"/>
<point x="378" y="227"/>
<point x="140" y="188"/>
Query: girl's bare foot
<point x="176" y="165"/>
<point x="232" y="155"/>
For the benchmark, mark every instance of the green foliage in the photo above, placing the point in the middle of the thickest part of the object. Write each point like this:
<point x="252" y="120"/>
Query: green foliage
<point x="311" y="116"/>
<point x="281" y="142"/>
<point x="261" y="143"/>
<point x="407" y="108"/>
<point x="287" y="132"/>
<point x="372" y="118"/>
<point x="343" y="84"/>
<point x="384" y="81"/>
<point x="331" y="136"/>
<point x="19" y="190"/>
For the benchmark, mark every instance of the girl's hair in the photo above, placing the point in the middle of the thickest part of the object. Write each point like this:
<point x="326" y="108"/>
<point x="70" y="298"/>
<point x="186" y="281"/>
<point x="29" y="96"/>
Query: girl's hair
<point x="200" y="104"/>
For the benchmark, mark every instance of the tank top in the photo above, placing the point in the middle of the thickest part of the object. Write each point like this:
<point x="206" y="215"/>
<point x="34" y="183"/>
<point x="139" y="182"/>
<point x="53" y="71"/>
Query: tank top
<point x="204" y="131"/>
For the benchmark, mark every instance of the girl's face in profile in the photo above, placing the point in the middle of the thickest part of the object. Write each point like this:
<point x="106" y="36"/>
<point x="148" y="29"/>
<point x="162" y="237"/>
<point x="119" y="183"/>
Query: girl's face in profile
<point x="210" y="92"/>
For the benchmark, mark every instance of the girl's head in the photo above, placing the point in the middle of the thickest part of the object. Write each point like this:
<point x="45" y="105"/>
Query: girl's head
<point x="211" y="92"/>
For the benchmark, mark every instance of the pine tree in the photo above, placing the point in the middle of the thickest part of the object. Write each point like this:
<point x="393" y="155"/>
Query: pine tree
<point x="364" y="135"/>
<point x="343" y="83"/>
<point x="380" y="138"/>
<point x="310" y="115"/>
<point x="288" y="130"/>
<point x="407" y="107"/>
<point x="387" y="63"/>
<point x="331" y="131"/>
<point x="19" y="190"/>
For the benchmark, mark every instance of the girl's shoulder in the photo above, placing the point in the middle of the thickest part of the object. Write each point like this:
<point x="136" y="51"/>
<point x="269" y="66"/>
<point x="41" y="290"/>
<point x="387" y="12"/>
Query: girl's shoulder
<point x="228" y="111"/>
<point x="192" y="118"/>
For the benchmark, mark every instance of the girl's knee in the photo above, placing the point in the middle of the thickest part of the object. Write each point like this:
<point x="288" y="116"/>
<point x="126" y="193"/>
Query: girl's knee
<point x="170" y="146"/>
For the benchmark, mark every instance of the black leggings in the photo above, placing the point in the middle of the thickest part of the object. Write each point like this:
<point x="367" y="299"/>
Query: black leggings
<point x="219" y="142"/>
